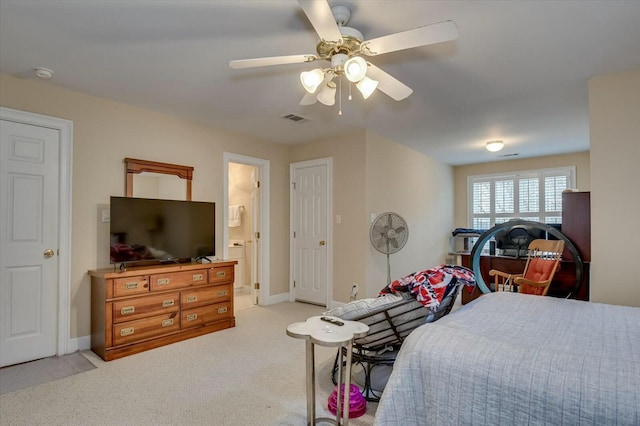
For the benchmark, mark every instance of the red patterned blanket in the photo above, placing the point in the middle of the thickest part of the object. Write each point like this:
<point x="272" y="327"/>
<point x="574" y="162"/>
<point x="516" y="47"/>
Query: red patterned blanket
<point x="430" y="286"/>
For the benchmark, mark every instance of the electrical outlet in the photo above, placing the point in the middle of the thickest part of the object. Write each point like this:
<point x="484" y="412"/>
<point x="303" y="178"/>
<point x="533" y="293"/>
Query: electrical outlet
<point x="106" y="216"/>
<point x="354" y="289"/>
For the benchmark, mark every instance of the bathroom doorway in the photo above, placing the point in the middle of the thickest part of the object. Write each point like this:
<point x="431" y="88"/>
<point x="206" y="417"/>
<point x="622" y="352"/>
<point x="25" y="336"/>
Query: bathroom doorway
<point x="244" y="218"/>
<point x="242" y="191"/>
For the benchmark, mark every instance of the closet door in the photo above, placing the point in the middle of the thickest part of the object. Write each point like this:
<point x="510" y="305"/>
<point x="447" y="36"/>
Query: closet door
<point x="29" y="238"/>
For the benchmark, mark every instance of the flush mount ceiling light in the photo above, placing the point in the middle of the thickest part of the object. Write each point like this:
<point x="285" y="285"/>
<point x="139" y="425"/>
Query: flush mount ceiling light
<point x="345" y="48"/>
<point x="494" y="146"/>
<point x="43" y="73"/>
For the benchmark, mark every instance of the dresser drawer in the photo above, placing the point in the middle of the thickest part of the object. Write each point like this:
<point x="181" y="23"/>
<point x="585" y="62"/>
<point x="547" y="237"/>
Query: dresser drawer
<point x="206" y="315"/>
<point x="130" y="286"/>
<point x="205" y="296"/>
<point x="130" y="309"/>
<point x="175" y="280"/>
<point x="135" y="331"/>
<point x="221" y="274"/>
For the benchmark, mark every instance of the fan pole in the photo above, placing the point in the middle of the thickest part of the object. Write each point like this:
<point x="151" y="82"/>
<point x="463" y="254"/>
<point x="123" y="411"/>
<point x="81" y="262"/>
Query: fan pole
<point x="388" y="270"/>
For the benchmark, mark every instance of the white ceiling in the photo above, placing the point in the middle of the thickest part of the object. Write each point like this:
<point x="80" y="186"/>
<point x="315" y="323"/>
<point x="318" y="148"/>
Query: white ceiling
<point x="518" y="71"/>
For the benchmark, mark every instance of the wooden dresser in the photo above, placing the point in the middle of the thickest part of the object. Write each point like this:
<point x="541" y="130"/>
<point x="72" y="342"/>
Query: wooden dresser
<point x="146" y="307"/>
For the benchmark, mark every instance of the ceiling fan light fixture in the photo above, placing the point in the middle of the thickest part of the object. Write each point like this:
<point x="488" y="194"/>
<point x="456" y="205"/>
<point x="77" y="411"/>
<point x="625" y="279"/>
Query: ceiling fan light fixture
<point x="367" y="86"/>
<point x="311" y="80"/>
<point x="494" y="146"/>
<point x="327" y="94"/>
<point x="355" y="69"/>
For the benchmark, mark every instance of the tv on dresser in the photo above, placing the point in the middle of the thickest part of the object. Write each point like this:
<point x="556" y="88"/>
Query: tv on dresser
<point x="163" y="287"/>
<point x="147" y="230"/>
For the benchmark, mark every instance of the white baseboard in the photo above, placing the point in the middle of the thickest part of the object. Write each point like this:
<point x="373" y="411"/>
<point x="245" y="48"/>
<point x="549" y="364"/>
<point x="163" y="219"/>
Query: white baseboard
<point x="335" y="304"/>
<point x="81" y="343"/>
<point x="285" y="297"/>
<point x="278" y="298"/>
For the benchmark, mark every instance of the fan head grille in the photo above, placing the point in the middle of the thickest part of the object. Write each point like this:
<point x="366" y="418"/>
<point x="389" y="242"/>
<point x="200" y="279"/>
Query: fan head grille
<point x="389" y="233"/>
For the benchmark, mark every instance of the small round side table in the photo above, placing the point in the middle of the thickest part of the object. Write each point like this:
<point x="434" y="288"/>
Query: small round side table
<point x="332" y="332"/>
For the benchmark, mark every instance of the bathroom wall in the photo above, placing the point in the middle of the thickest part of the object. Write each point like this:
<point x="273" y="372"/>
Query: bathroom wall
<point x="240" y="190"/>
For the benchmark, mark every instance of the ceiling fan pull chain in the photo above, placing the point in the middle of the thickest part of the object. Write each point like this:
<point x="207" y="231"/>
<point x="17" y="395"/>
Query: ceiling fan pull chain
<point x="340" y="96"/>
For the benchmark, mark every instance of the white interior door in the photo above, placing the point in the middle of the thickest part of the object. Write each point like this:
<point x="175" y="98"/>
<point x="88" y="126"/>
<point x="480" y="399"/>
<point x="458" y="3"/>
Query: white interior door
<point x="29" y="238"/>
<point x="310" y="236"/>
<point x="255" y="246"/>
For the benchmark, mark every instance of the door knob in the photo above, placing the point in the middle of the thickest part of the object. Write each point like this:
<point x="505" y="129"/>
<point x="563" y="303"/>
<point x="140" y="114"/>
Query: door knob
<point x="48" y="253"/>
<point x="322" y="243"/>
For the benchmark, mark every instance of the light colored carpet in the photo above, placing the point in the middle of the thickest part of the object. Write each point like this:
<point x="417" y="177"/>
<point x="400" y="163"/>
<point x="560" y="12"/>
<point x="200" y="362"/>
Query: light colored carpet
<point x="242" y="298"/>
<point x="33" y="373"/>
<point x="253" y="374"/>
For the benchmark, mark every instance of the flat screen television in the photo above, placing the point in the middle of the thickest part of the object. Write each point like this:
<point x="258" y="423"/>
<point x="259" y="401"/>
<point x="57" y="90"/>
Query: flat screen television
<point x="153" y="230"/>
<point x="515" y="241"/>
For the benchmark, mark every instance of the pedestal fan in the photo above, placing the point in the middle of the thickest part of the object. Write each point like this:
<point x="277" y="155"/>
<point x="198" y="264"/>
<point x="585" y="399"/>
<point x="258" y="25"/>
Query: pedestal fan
<point x="388" y="234"/>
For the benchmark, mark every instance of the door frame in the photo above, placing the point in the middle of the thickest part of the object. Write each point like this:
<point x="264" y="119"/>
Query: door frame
<point x="328" y="163"/>
<point x="65" y="129"/>
<point x="263" y="242"/>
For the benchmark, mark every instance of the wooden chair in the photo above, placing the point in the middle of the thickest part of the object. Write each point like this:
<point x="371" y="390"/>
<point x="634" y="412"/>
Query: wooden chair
<point x="542" y="263"/>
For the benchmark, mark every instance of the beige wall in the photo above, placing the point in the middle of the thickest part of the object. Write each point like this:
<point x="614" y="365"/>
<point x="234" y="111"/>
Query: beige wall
<point x="105" y="132"/>
<point x="580" y="160"/>
<point x="419" y="189"/>
<point x="375" y="175"/>
<point x="614" y="117"/>
<point x="348" y="153"/>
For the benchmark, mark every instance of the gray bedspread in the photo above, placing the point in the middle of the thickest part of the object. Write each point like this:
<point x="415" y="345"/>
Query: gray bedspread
<point x="513" y="359"/>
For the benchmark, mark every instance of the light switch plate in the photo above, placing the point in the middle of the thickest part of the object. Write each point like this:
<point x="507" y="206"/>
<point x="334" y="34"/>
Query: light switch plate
<point x="106" y="216"/>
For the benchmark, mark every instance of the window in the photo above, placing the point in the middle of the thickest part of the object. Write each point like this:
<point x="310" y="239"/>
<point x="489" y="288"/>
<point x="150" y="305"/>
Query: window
<point x="534" y="195"/>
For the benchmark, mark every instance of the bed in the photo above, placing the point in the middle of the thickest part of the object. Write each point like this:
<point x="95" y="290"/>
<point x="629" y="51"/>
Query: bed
<point x="516" y="359"/>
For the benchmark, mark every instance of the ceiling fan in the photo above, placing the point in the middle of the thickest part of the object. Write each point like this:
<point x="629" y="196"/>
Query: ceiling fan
<point x="344" y="47"/>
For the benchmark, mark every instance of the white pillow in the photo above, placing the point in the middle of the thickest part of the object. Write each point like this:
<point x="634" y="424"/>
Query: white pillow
<point x="406" y="317"/>
<point x="361" y="307"/>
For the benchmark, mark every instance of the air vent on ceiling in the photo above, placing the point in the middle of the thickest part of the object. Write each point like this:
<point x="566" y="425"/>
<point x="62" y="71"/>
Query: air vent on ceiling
<point x="295" y="118"/>
<point x="509" y="155"/>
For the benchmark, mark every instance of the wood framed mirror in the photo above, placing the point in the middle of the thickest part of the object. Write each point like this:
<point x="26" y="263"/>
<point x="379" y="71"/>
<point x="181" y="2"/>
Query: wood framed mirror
<point x="150" y="179"/>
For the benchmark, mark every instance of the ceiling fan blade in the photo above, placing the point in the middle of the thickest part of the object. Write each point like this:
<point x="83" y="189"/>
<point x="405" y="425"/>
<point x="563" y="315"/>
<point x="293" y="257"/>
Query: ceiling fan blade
<point x="309" y="99"/>
<point x="421" y="36"/>
<point x="322" y="19"/>
<point x="273" y="60"/>
<point x="388" y="84"/>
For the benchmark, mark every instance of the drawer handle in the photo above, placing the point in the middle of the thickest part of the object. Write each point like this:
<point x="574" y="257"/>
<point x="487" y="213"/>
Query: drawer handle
<point x="127" y="310"/>
<point x="197" y="277"/>
<point x="167" y="322"/>
<point x="163" y="281"/>
<point x="126" y="331"/>
<point x="167" y="303"/>
<point x="222" y="310"/>
<point x="191" y="299"/>
<point x="222" y="293"/>
<point x="221" y="274"/>
<point x="192" y="317"/>
<point x="131" y="286"/>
